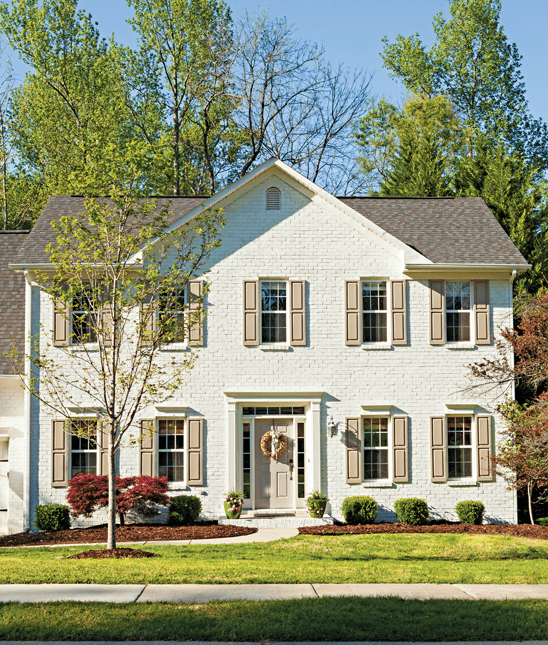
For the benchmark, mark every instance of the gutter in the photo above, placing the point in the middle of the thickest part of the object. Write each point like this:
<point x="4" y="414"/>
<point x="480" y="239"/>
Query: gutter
<point x="515" y="268"/>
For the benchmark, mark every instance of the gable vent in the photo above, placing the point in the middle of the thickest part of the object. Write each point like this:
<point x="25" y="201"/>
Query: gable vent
<point x="273" y="199"/>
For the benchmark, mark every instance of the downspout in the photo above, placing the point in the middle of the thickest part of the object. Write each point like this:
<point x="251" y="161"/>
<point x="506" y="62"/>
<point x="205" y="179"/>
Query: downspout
<point x="512" y="278"/>
<point x="28" y="398"/>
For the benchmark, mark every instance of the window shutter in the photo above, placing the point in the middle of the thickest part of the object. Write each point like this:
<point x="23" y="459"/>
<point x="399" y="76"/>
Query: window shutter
<point x="108" y="326"/>
<point x="147" y="457"/>
<point x="60" y="454"/>
<point x="438" y="445"/>
<point x="195" y="475"/>
<point x="61" y="324"/>
<point x="437" y="312"/>
<point x="298" y="312"/>
<point x="196" y="312"/>
<point x="251" y="313"/>
<point x="485" y="465"/>
<point x="399" y="312"/>
<point x="353" y="451"/>
<point x="401" y="450"/>
<point x="102" y="442"/>
<point x="148" y="319"/>
<point x="482" y="313"/>
<point x="352" y="305"/>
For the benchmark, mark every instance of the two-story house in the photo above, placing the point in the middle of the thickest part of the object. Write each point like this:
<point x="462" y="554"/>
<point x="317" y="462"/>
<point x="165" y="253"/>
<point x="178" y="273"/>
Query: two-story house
<point x="347" y="323"/>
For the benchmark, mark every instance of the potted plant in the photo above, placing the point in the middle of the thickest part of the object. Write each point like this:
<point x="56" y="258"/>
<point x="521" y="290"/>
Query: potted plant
<point x="316" y="503"/>
<point x="234" y="504"/>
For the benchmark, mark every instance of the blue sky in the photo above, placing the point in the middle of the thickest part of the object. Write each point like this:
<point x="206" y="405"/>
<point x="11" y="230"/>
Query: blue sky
<point x="351" y="31"/>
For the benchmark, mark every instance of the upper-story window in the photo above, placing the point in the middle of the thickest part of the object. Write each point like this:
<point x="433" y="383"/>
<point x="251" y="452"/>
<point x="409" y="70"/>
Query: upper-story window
<point x="171" y="315"/>
<point x="273" y="311"/>
<point x="374" y="310"/>
<point x="458" y="309"/>
<point x="84" y="317"/>
<point x="273" y="199"/>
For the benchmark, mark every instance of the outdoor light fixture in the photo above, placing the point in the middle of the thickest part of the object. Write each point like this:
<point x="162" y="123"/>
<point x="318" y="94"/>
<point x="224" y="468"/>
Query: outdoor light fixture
<point x="332" y="427"/>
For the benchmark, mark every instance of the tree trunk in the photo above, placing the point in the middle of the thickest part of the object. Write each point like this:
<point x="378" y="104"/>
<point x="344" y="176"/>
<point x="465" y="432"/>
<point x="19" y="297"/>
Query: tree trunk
<point x="4" y="172"/>
<point x="529" y="495"/>
<point x="111" y="536"/>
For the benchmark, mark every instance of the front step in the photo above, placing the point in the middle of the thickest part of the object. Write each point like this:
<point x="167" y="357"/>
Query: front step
<point x="287" y="520"/>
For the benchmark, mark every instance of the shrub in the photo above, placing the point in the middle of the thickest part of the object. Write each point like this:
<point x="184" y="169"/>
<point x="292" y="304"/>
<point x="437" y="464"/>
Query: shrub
<point x="411" y="510"/>
<point x="361" y="509"/>
<point x="87" y="493"/>
<point x="52" y="517"/>
<point x="470" y="511"/>
<point x="542" y="521"/>
<point x="184" y="510"/>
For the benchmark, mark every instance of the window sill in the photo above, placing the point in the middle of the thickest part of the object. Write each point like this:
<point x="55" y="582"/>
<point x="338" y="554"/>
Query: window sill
<point x="377" y="484"/>
<point x="460" y="346"/>
<point x="376" y="346"/>
<point x="459" y="483"/>
<point x="275" y="347"/>
<point x="177" y="486"/>
<point x="87" y="347"/>
<point x="174" y="347"/>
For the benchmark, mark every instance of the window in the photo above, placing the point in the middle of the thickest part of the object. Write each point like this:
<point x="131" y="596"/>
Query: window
<point x="300" y="461"/>
<point x="84" y="317"/>
<point x="273" y="411"/>
<point x="374" y="310"/>
<point x="273" y="199"/>
<point x="273" y="311"/>
<point x="171" y="315"/>
<point x="459" y="445"/>
<point x="375" y="448"/>
<point x="247" y="460"/>
<point x="83" y="447"/>
<point x="457" y="311"/>
<point x="171" y="449"/>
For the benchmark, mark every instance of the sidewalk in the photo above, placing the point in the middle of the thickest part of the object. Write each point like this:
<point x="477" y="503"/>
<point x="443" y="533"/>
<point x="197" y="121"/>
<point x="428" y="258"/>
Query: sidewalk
<point x="207" y="593"/>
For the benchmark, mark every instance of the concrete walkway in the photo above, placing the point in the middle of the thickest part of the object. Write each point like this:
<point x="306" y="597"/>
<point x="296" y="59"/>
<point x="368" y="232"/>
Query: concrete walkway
<point x="208" y="593"/>
<point x="276" y="643"/>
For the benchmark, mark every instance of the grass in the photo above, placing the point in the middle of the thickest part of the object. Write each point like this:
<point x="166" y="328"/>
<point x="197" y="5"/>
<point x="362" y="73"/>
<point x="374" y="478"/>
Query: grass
<point x="404" y="558"/>
<point x="331" y="619"/>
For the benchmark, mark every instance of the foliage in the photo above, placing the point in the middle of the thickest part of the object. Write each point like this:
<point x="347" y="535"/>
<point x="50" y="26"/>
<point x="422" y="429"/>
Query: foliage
<point x="361" y="509"/>
<point x="470" y="511"/>
<point x="411" y="510"/>
<point x="184" y="510"/>
<point x="51" y="517"/>
<point x="316" y="501"/>
<point x="88" y="493"/>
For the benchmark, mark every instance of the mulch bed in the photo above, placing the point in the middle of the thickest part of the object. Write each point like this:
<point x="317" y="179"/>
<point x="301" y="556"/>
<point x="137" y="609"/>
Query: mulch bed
<point x="100" y="554"/>
<point x="517" y="530"/>
<point x="130" y="533"/>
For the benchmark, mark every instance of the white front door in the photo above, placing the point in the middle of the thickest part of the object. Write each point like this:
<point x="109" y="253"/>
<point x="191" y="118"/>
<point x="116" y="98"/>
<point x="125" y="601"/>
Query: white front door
<point x="274" y="478"/>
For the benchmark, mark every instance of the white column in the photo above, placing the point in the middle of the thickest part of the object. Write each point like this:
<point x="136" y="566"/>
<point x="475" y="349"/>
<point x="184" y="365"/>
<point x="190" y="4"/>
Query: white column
<point x="314" y="457"/>
<point x="232" y="447"/>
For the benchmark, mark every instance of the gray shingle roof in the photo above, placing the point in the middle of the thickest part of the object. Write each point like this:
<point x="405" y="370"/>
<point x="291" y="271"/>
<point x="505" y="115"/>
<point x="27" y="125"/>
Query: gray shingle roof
<point x="12" y="299"/>
<point x="445" y="230"/>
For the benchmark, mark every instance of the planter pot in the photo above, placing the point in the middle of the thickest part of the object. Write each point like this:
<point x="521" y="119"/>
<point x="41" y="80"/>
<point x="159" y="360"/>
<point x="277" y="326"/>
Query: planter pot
<point x="317" y="514"/>
<point x="232" y="515"/>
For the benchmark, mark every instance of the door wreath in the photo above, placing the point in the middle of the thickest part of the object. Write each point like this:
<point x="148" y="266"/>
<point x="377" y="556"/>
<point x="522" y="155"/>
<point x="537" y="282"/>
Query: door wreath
<point x="273" y="444"/>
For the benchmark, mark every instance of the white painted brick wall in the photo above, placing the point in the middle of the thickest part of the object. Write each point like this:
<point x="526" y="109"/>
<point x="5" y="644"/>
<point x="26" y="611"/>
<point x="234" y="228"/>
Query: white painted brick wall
<point x="308" y="241"/>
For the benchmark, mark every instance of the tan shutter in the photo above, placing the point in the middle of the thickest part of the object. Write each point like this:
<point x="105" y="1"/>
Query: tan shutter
<point x="251" y="313"/>
<point x="195" y="473"/>
<point x="485" y="450"/>
<point x="401" y="450"/>
<point x="399" y="310"/>
<point x="60" y="454"/>
<point x="297" y="290"/>
<point x="352" y="305"/>
<point x="437" y="312"/>
<point x="438" y="445"/>
<point x="61" y="324"/>
<point x="148" y="317"/>
<point x="196" y="312"/>
<point x="481" y="310"/>
<point x="102" y="442"/>
<point x="108" y="326"/>
<point x="353" y="451"/>
<point x="147" y="457"/>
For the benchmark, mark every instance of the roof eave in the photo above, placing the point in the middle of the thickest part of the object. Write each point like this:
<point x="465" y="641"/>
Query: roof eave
<point x="474" y="267"/>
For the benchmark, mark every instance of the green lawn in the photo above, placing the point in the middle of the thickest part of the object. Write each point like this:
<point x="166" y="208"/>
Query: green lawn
<point x="333" y="559"/>
<point x="332" y="619"/>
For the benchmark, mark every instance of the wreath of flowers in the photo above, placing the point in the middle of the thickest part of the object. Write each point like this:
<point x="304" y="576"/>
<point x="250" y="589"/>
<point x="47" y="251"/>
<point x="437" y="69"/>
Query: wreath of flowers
<point x="266" y="445"/>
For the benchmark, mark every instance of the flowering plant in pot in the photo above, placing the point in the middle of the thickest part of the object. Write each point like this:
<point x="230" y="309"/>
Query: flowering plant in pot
<point x="234" y="503"/>
<point x="316" y="503"/>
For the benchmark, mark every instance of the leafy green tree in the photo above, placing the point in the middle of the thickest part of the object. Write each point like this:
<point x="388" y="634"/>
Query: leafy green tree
<point x="478" y="70"/>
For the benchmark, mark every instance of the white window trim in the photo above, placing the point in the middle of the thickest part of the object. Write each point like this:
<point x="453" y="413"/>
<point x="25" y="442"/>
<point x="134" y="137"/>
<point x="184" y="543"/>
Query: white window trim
<point x="378" y="345"/>
<point x="273" y="347"/>
<point x="386" y="482"/>
<point x="463" y="481"/>
<point x="173" y="485"/>
<point x="459" y="344"/>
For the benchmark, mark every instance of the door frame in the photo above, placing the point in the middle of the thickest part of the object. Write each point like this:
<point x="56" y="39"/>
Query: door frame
<point x="312" y="415"/>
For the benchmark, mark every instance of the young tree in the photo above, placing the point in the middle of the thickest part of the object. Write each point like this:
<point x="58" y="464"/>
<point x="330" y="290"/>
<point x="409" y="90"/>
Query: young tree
<point x="119" y="282"/>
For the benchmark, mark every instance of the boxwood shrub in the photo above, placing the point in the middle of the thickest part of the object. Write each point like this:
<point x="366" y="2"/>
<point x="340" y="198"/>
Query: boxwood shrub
<point x="360" y="509"/>
<point x="470" y="511"/>
<point x="411" y="510"/>
<point x="52" y="517"/>
<point x="184" y="510"/>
